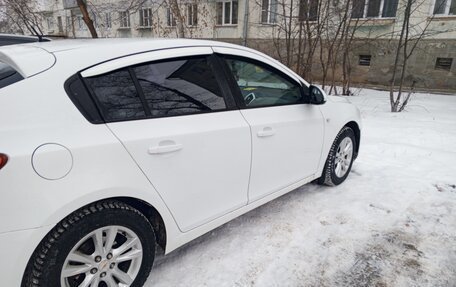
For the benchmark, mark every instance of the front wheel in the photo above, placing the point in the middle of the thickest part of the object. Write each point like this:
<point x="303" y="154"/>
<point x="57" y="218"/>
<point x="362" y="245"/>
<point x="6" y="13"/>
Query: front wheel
<point x="340" y="158"/>
<point x="105" y="244"/>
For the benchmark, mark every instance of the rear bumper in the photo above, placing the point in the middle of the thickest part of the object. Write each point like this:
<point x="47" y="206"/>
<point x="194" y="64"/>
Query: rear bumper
<point x="16" y="247"/>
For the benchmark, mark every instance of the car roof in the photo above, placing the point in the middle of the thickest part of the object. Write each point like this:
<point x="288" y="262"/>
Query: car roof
<point x="118" y="46"/>
<point x="30" y="59"/>
<point x="72" y="56"/>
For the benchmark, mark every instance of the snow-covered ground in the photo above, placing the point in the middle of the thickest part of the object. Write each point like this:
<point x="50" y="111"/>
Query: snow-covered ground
<point x="392" y="223"/>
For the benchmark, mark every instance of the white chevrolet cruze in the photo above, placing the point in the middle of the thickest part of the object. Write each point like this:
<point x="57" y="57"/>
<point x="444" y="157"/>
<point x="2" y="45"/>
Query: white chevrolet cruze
<point x="109" y="147"/>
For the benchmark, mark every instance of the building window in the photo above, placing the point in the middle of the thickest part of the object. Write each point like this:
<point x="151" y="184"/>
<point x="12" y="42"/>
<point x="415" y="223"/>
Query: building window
<point x="268" y="11"/>
<point x="145" y="17"/>
<point x="81" y="23"/>
<point x="107" y="20"/>
<point x="68" y="22"/>
<point x="443" y="64"/>
<point x="124" y="19"/>
<point x="374" y="8"/>
<point x="444" y="7"/>
<point x="364" y="60"/>
<point x="50" y="23"/>
<point x="227" y="12"/>
<point x="308" y="10"/>
<point x="170" y="19"/>
<point x="94" y="18"/>
<point x="60" y="24"/>
<point x="192" y="14"/>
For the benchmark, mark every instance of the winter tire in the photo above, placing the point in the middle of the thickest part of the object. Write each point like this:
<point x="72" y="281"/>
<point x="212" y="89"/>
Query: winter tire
<point x="105" y="244"/>
<point x="340" y="158"/>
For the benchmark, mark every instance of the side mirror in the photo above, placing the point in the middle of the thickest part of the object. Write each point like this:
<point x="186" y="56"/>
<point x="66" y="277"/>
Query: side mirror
<point x="317" y="95"/>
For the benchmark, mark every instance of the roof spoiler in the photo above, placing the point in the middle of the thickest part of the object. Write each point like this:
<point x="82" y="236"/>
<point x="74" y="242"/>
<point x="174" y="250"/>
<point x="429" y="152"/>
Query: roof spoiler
<point x="27" y="60"/>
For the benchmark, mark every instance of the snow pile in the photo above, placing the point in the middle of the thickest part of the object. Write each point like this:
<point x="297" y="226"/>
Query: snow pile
<point x="392" y="223"/>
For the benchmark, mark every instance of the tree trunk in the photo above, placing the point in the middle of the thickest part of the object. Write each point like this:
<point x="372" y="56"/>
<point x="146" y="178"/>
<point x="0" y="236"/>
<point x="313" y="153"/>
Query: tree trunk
<point x="394" y="107"/>
<point x="73" y="31"/>
<point x="298" y="62"/>
<point x="174" y="5"/>
<point x="289" y="34"/>
<point x="397" y="104"/>
<point x="86" y="17"/>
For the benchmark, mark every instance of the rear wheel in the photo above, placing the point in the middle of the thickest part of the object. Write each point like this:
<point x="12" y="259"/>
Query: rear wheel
<point x="340" y="158"/>
<point x="102" y="245"/>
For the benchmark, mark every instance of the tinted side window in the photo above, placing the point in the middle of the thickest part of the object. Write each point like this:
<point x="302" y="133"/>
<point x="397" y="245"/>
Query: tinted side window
<point x="117" y="96"/>
<point x="262" y="86"/>
<point x="179" y="87"/>
<point x="82" y="99"/>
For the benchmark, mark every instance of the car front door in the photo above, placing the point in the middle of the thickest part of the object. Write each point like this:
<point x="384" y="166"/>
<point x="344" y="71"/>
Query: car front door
<point x="178" y="120"/>
<point x="287" y="134"/>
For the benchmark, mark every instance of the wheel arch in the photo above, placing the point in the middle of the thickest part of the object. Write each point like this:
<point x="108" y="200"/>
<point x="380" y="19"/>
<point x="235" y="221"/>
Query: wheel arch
<point x="332" y="129"/>
<point x="151" y="213"/>
<point x="355" y="127"/>
<point x="147" y="210"/>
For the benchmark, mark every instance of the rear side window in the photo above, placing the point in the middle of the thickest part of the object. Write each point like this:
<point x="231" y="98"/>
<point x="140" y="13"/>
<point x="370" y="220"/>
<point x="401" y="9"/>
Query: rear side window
<point x="159" y="89"/>
<point x="117" y="96"/>
<point x="8" y="75"/>
<point x="180" y="87"/>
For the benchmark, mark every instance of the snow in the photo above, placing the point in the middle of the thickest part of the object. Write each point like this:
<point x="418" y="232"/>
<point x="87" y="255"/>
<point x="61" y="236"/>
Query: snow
<point x="392" y="223"/>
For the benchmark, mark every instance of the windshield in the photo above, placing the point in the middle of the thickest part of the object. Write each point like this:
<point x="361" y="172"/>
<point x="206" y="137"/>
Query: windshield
<point x="8" y="75"/>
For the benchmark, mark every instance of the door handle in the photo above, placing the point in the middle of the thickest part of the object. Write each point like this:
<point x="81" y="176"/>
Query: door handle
<point x="266" y="132"/>
<point x="165" y="147"/>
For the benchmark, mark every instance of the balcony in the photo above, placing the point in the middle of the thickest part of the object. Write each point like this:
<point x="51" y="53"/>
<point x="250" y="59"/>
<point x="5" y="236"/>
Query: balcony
<point x="70" y="4"/>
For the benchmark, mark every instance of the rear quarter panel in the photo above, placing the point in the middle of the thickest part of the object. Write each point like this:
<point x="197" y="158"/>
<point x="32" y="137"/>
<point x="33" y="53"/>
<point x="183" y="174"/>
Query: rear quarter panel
<point x="37" y="111"/>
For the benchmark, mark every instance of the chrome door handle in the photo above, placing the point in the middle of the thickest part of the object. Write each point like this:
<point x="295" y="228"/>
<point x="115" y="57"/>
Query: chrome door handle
<point x="266" y="132"/>
<point x="165" y="148"/>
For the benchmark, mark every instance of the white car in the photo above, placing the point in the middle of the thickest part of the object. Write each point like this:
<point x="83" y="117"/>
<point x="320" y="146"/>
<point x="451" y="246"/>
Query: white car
<point x="109" y="147"/>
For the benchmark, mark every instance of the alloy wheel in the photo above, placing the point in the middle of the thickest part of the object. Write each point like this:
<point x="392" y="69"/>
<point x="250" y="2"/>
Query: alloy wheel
<point x="344" y="156"/>
<point x="106" y="257"/>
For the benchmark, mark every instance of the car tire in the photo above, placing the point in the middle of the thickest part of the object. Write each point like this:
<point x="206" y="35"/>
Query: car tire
<point x="339" y="161"/>
<point x="126" y="247"/>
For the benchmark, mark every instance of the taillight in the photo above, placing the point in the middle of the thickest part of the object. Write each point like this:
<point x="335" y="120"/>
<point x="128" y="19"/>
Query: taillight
<point x="3" y="160"/>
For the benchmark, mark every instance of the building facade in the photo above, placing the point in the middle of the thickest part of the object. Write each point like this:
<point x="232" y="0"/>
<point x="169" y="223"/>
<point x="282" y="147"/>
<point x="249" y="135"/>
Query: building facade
<point x="276" y="27"/>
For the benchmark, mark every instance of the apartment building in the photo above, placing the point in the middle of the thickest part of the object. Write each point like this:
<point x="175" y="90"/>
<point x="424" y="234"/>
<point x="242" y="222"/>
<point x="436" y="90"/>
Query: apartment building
<point x="262" y="23"/>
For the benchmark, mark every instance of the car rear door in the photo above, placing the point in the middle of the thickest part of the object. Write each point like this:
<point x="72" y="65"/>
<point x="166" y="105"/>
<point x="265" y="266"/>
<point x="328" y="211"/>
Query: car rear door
<point x="176" y="117"/>
<point x="287" y="134"/>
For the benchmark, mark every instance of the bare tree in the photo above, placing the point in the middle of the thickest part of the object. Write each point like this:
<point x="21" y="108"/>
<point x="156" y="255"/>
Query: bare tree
<point x="86" y="17"/>
<point x="22" y="15"/>
<point x="336" y="45"/>
<point x="177" y="12"/>
<point x="185" y="19"/>
<point x="316" y="33"/>
<point x="310" y="26"/>
<point x="90" y="9"/>
<point x="346" y="57"/>
<point x="285" y="29"/>
<point x="409" y="38"/>
<point x="294" y="31"/>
